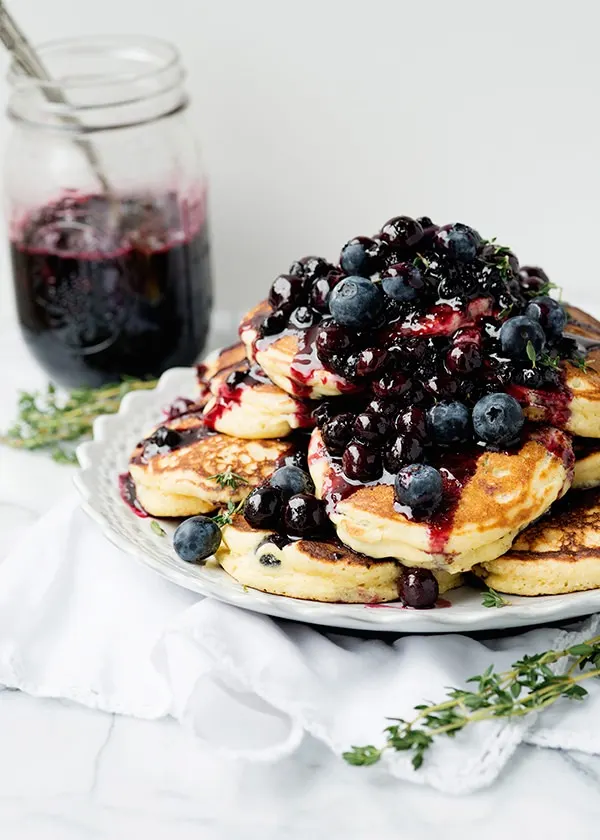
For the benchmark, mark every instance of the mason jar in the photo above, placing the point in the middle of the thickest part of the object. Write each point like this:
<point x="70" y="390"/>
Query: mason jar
<point x="107" y="210"/>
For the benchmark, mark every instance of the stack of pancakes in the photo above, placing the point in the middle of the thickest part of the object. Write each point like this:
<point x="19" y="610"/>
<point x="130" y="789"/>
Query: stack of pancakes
<point x="255" y="413"/>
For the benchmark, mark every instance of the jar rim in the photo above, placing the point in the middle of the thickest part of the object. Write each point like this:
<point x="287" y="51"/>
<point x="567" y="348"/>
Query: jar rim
<point x="172" y="58"/>
<point x="98" y="82"/>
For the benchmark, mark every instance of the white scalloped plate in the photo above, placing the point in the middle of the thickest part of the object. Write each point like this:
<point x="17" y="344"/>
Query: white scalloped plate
<point x="106" y="456"/>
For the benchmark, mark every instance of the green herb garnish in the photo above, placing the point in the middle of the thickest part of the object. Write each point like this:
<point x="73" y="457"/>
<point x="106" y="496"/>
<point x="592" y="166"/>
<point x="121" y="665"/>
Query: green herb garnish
<point x="491" y="598"/>
<point x="580" y="362"/>
<point x="529" y="686"/>
<point x="158" y="529"/>
<point x="228" y="479"/>
<point x="531" y="354"/>
<point x="550" y="361"/>
<point x="225" y="515"/>
<point x="47" y="421"/>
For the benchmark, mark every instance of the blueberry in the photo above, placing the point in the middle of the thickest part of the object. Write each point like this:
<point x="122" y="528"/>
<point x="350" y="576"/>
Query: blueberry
<point x="269" y="558"/>
<point x="402" y="282"/>
<point x="418" y="588"/>
<point x="274" y="323"/>
<point x="463" y="358"/>
<point x="196" y="539"/>
<point x="337" y="433"/>
<point x="362" y="256"/>
<point x="361" y="462"/>
<point x="520" y="336"/>
<point x="370" y="360"/>
<point x="529" y="377"/>
<point x="263" y="507"/>
<point x="404" y="450"/>
<point x="459" y="241"/>
<point x="166" y="438"/>
<point x="287" y="291"/>
<point x="356" y="302"/>
<point x="402" y="232"/>
<point x="303" y="317"/>
<point x="392" y="384"/>
<point x="305" y="516"/>
<point x="449" y="422"/>
<point x="313" y="267"/>
<point x="331" y="339"/>
<point x="321" y="290"/>
<point x="292" y="480"/>
<point x="498" y="419"/>
<point x="323" y="412"/>
<point x="412" y="421"/>
<point x="550" y="315"/>
<point x="419" y="487"/>
<point x="371" y="427"/>
<point x="425" y="221"/>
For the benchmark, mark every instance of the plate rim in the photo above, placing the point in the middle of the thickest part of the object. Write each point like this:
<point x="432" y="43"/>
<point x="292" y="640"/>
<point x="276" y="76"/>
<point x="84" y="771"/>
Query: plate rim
<point x="522" y="611"/>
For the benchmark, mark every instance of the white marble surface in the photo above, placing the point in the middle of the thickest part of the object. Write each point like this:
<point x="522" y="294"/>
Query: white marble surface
<point x="68" y="772"/>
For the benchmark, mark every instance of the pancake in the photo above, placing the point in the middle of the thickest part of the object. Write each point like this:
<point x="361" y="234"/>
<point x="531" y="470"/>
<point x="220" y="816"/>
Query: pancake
<point x="576" y="406"/>
<point x="311" y="570"/>
<point x="559" y="554"/>
<point x="496" y="495"/>
<point x="290" y="359"/>
<point x="587" y="463"/>
<point x="181" y="481"/>
<point x="245" y="403"/>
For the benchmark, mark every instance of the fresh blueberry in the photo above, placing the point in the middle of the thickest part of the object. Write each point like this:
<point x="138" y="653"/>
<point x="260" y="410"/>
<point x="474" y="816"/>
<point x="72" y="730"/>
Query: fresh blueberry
<point x="419" y="487"/>
<point x="305" y="516"/>
<point x="361" y="462"/>
<point x="362" y="256"/>
<point x="418" y="588"/>
<point x="337" y="433"/>
<point x="263" y="507"/>
<point x="292" y="480"/>
<point x="303" y="317"/>
<point x="550" y="315"/>
<point x="449" y="422"/>
<point x="521" y="337"/>
<point x="165" y="438"/>
<point x="402" y="232"/>
<point x="402" y="282"/>
<point x="356" y="302"/>
<point x="196" y="539"/>
<point x="498" y="419"/>
<point x="459" y="241"/>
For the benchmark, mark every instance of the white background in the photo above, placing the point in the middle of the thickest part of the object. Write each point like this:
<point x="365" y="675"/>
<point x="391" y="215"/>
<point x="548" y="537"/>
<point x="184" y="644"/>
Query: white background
<point x="319" y="119"/>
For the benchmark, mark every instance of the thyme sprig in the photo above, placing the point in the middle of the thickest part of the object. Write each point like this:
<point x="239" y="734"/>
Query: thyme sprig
<point x="228" y="479"/>
<point x="530" y="685"/>
<point x="491" y="598"/>
<point x="49" y="420"/>
<point x="225" y="515"/>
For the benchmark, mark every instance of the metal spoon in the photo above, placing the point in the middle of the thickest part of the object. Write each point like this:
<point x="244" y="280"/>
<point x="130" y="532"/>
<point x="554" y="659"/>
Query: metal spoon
<point x="25" y="56"/>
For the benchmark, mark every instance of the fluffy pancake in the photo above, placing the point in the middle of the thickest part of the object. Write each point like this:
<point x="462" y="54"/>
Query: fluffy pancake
<point x="245" y="403"/>
<point x="181" y="481"/>
<point x="312" y="570"/>
<point x="587" y="463"/>
<point x="576" y="406"/>
<point x="290" y="359"/>
<point x="495" y="498"/>
<point x="560" y="553"/>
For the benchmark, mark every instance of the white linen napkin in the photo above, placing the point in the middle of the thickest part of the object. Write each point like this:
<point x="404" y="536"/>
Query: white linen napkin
<point x="83" y="621"/>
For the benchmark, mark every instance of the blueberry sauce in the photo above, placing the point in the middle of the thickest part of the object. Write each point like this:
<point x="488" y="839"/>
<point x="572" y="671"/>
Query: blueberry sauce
<point x="240" y="378"/>
<point x="111" y="288"/>
<point x="128" y="493"/>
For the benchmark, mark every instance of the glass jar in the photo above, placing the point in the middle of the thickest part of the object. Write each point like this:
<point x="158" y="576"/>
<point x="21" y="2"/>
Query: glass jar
<point x="107" y="212"/>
